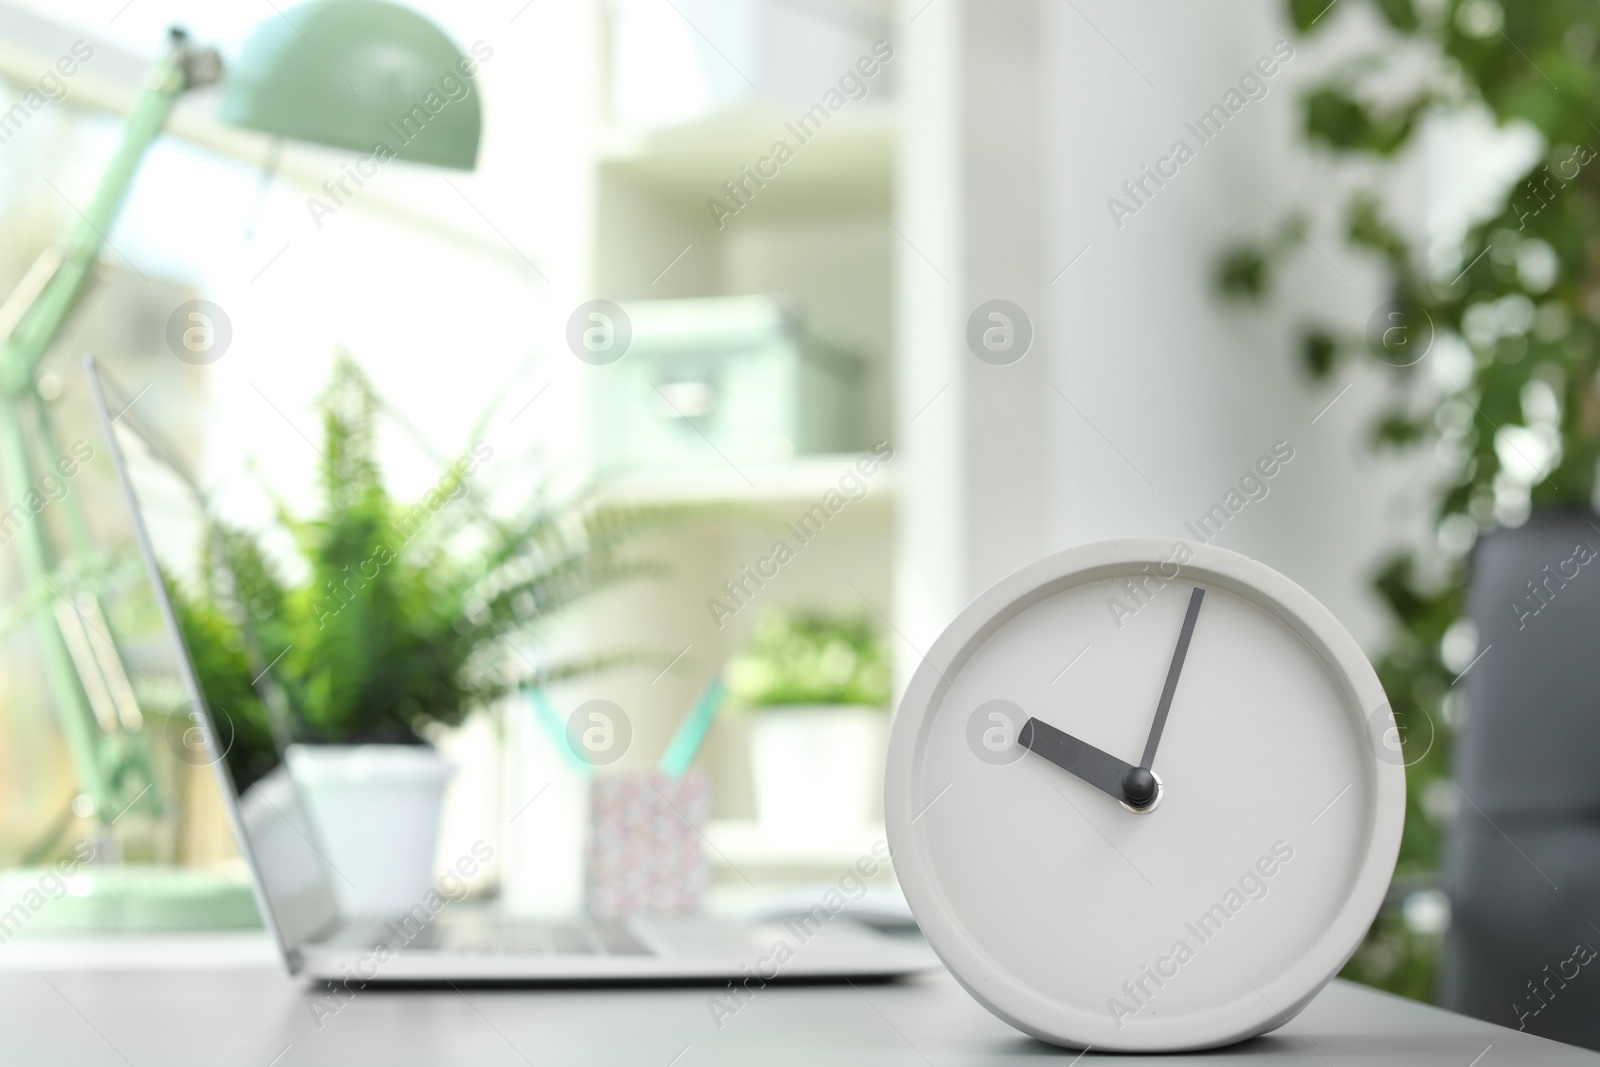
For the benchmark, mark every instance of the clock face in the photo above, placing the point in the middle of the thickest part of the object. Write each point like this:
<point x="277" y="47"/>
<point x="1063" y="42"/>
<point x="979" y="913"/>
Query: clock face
<point x="1145" y="796"/>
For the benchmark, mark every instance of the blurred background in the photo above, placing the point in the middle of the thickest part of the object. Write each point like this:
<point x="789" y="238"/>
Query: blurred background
<point x="910" y="294"/>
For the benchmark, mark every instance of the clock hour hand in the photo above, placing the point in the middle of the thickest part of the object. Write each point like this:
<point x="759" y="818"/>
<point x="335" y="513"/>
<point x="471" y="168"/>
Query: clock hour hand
<point x="1100" y="769"/>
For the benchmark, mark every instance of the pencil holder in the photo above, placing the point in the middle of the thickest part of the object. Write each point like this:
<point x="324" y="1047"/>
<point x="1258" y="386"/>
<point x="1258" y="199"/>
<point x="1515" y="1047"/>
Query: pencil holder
<point x="646" y="855"/>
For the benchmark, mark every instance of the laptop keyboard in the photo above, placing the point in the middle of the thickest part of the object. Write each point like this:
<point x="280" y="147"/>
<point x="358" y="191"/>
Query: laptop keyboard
<point x="527" y="937"/>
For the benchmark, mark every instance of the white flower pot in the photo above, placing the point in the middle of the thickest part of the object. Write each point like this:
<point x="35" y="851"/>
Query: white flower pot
<point x="818" y="769"/>
<point x="375" y="809"/>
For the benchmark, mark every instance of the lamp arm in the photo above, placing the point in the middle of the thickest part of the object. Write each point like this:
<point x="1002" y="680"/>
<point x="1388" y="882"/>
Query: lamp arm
<point x="185" y="67"/>
<point x="35" y="329"/>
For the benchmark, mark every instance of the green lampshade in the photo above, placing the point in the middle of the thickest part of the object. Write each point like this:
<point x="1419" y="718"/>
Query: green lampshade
<point x="365" y="75"/>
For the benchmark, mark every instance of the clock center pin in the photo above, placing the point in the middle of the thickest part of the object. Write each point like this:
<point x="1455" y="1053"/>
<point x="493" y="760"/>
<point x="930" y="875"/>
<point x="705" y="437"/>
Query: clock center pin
<point x="1141" y="790"/>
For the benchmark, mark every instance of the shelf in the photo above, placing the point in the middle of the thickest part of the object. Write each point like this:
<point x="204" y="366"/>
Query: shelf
<point x="742" y="844"/>
<point x="845" y="167"/>
<point x="805" y="479"/>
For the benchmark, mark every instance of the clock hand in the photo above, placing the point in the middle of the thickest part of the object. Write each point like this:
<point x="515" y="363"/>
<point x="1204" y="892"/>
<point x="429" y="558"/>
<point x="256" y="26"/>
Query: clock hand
<point x="1141" y="785"/>
<point x="1100" y="769"/>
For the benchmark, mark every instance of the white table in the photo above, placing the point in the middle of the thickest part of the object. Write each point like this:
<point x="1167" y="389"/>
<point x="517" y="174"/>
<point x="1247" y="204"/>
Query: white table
<point x="223" y="1002"/>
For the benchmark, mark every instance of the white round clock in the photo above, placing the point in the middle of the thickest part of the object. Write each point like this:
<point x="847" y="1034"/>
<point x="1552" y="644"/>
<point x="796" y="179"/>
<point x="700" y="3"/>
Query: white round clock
<point x="1143" y="796"/>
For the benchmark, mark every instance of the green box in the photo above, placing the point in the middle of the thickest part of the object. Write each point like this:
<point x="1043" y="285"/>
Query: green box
<point x="709" y="382"/>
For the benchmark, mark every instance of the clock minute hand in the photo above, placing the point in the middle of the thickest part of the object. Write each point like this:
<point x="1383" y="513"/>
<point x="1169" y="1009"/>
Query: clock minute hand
<point x="1100" y="769"/>
<point x="1173" y="671"/>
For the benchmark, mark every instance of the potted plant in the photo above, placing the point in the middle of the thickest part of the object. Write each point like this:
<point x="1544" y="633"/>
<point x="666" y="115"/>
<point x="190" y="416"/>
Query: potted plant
<point x="817" y="687"/>
<point x="400" y="619"/>
<point x="1492" y="342"/>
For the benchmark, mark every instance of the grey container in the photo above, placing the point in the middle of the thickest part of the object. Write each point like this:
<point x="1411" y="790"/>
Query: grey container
<point x="1522" y="857"/>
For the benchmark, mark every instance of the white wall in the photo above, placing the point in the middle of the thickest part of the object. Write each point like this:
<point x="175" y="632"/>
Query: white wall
<point x="1173" y="395"/>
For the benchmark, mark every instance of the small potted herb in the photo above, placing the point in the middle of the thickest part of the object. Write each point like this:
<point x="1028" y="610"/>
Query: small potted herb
<point x="817" y="687"/>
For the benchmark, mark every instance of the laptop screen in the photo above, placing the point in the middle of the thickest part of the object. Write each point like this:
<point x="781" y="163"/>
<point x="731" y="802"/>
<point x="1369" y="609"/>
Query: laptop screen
<point x="214" y="652"/>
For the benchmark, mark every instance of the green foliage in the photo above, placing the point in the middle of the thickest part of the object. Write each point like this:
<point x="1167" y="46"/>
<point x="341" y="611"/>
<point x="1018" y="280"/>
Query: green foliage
<point x="1305" y="13"/>
<point x="1513" y="315"/>
<point x="1339" y="120"/>
<point x="407" y="614"/>
<point x="811" y="659"/>
<point x="224" y="671"/>
<point x="1243" y="272"/>
<point x="1368" y="229"/>
<point x="1401" y="14"/>
<point x="1320" y="350"/>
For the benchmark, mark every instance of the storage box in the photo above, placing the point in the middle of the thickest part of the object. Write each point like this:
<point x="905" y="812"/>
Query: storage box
<point x="727" y="380"/>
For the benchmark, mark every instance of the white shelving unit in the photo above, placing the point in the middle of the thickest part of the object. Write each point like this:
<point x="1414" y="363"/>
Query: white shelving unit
<point x="844" y="168"/>
<point x="802" y="480"/>
<point x="817" y="235"/>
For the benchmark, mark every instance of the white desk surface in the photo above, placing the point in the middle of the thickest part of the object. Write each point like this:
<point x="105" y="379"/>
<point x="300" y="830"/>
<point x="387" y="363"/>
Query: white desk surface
<point x="223" y="1002"/>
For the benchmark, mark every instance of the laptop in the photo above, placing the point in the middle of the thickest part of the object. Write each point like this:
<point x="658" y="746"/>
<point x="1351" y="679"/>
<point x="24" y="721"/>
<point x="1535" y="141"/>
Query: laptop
<point x="458" y="942"/>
